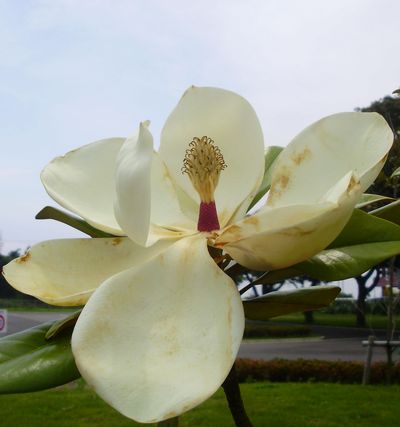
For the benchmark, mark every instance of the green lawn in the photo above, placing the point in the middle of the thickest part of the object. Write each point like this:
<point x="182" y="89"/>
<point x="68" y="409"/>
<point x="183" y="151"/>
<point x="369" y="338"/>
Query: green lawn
<point x="269" y="405"/>
<point x="373" y="321"/>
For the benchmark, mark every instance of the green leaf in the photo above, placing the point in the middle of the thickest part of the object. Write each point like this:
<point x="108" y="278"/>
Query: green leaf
<point x="79" y="224"/>
<point x="28" y="362"/>
<point x="390" y="212"/>
<point x="365" y="241"/>
<point x="395" y="173"/>
<point x="270" y="156"/>
<point x="366" y="228"/>
<point x="62" y="325"/>
<point x="278" y="303"/>
<point x="367" y="199"/>
<point x="347" y="262"/>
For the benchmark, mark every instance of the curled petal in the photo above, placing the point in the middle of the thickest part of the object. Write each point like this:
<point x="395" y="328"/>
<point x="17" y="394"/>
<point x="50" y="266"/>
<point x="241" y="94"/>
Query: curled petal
<point x="279" y="237"/>
<point x="82" y="181"/>
<point x="66" y="272"/>
<point x="231" y="122"/>
<point x="133" y="185"/>
<point x="327" y="150"/>
<point x="146" y="201"/>
<point x="169" y="333"/>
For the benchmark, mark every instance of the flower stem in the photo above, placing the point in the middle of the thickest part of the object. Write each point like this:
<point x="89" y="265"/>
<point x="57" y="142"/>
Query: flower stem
<point x="234" y="398"/>
<point x="171" y="422"/>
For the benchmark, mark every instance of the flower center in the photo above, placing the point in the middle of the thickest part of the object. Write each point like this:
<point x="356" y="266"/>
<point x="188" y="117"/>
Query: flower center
<point x="203" y="164"/>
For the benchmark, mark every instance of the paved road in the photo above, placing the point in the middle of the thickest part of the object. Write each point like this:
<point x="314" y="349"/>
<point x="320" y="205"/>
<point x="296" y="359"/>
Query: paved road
<point x="339" y="343"/>
<point x="323" y="349"/>
<point x="18" y="321"/>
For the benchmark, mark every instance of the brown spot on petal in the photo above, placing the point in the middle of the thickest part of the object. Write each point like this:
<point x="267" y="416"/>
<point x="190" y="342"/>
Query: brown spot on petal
<point x="280" y="183"/>
<point x="296" y="232"/>
<point x="24" y="258"/>
<point x="116" y="241"/>
<point x="252" y="220"/>
<point x="283" y="181"/>
<point x="299" y="158"/>
<point x="231" y="234"/>
<point x="352" y="184"/>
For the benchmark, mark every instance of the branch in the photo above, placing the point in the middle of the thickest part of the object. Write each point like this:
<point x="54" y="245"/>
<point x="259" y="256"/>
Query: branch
<point x="270" y="278"/>
<point x="374" y="282"/>
<point x="368" y="274"/>
<point x="234" y="398"/>
<point x="235" y="270"/>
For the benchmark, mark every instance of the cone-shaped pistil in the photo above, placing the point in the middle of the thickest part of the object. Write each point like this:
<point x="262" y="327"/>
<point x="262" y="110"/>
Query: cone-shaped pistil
<point x="203" y="164"/>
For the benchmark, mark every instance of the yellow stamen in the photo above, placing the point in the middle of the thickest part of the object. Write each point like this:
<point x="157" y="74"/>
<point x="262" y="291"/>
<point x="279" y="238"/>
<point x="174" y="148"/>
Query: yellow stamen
<point x="203" y="164"/>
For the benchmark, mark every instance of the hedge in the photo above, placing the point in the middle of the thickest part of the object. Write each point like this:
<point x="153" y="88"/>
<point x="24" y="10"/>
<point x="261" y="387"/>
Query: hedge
<point x="301" y="370"/>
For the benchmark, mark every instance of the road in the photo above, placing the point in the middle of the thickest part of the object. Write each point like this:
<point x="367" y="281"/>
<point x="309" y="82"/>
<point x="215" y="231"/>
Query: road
<point x="323" y="349"/>
<point x="339" y="343"/>
<point x="18" y="321"/>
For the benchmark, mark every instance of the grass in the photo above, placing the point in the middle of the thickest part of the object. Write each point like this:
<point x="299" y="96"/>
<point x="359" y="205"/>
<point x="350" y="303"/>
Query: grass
<point x="268" y="405"/>
<point x="347" y="320"/>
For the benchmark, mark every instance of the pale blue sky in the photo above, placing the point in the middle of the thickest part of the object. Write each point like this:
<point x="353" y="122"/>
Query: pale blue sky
<point x="73" y="71"/>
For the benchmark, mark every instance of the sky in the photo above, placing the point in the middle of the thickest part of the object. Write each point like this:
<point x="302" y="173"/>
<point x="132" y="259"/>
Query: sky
<point x="73" y="72"/>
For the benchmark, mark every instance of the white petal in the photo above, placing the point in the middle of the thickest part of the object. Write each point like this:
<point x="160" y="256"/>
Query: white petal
<point x="231" y="122"/>
<point x="157" y="340"/>
<point x="327" y="150"/>
<point x="165" y="206"/>
<point x="66" y="272"/>
<point x="146" y="200"/>
<point x="280" y="237"/>
<point x="82" y="181"/>
<point x="133" y="185"/>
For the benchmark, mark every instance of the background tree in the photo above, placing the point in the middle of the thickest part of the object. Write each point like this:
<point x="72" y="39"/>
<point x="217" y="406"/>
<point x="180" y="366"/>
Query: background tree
<point x="389" y="108"/>
<point x="6" y="291"/>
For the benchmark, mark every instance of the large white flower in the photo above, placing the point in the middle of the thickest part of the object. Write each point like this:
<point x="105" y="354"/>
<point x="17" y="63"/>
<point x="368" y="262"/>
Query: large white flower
<point x="163" y="324"/>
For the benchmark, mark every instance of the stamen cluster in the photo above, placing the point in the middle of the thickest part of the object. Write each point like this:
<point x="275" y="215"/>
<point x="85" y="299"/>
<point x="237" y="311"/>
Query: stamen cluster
<point x="203" y="164"/>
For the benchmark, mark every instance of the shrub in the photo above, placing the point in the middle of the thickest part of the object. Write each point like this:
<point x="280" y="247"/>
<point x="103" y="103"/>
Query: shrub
<point x="301" y="370"/>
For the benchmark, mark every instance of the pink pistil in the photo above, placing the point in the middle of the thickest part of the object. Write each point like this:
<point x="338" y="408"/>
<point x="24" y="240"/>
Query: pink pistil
<point x="208" y="219"/>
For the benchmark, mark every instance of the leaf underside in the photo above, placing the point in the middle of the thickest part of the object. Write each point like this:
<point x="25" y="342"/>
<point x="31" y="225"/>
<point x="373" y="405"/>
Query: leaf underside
<point x="29" y="362"/>
<point x="285" y="302"/>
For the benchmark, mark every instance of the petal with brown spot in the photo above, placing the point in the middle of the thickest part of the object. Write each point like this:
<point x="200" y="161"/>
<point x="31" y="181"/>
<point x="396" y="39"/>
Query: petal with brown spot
<point x="66" y="272"/>
<point x="157" y="340"/>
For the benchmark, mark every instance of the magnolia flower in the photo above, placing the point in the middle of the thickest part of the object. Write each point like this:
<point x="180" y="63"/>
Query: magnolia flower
<point x="163" y="324"/>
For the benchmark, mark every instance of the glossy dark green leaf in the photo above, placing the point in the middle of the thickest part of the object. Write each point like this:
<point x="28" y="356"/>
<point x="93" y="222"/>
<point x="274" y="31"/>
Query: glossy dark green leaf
<point x="351" y="261"/>
<point x="29" y="362"/>
<point x="271" y="155"/>
<point x="285" y="302"/>
<point x="390" y="212"/>
<point x="366" y="228"/>
<point x="79" y="224"/>
<point x="365" y="242"/>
